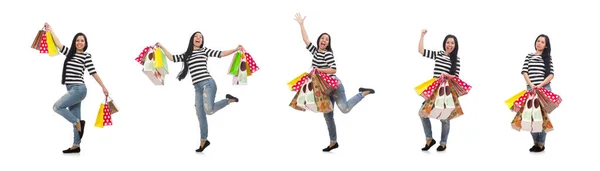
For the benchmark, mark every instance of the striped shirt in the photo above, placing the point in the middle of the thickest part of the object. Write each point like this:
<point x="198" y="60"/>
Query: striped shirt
<point x="534" y="67"/>
<point x="197" y="63"/>
<point x="76" y="66"/>
<point x="442" y="62"/>
<point x="321" y="60"/>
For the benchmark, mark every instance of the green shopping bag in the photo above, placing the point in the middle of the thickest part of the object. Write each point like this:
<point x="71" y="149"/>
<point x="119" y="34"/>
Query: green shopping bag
<point x="235" y="63"/>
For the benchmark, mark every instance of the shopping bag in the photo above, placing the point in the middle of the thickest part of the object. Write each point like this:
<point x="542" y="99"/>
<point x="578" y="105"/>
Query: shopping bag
<point x="251" y="63"/>
<point x="301" y="101"/>
<point x="518" y="104"/>
<point x="428" y="105"/>
<point x="100" y="117"/>
<point x="322" y="100"/>
<point x="457" y="111"/>
<point x="310" y="97"/>
<point x="235" y="63"/>
<point x="242" y="77"/>
<point x="38" y="39"/>
<point x="423" y="86"/>
<point x="548" y="99"/>
<point x="111" y="104"/>
<point x="52" y="49"/>
<point x="429" y="91"/>
<point x="460" y="87"/>
<point x="155" y="77"/>
<point x="511" y="101"/>
<point x="44" y="44"/>
<point x="332" y="83"/>
<point x="294" y="102"/>
<point x="160" y="62"/>
<point x="297" y="82"/>
<point x="449" y="104"/>
<point x="141" y="57"/>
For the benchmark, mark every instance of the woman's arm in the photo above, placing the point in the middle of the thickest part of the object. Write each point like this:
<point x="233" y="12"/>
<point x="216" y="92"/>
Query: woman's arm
<point x="231" y="51"/>
<point x="421" y="48"/>
<point x="56" y="41"/>
<point x="169" y="55"/>
<point x="95" y="75"/>
<point x="300" y="20"/>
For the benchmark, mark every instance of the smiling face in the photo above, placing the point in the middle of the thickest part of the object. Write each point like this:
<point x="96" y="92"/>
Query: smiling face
<point x="80" y="43"/>
<point x="449" y="45"/>
<point x="323" y="42"/>
<point x="540" y="43"/>
<point x="198" y="40"/>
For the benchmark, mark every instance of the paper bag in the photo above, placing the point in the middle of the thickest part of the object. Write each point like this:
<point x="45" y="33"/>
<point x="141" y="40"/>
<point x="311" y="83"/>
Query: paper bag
<point x="242" y="77"/>
<point x="511" y="101"/>
<point x="38" y="39"/>
<point x="160" y="62"/>
<point x="294" y="102"/>
<point x="322" y="100"/>
<point x="111" y="104"/>
<point x="235" y="63"/>
<point x="155" y="77"/>
<point x="52" y="49"/>
<point x="297" y="82"/>
<point x="423" y="86"/>
<point x="310" y="97"/>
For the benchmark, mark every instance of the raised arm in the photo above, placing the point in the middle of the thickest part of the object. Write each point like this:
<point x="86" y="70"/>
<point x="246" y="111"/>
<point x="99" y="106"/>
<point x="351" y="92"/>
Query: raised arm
<point x="421" y="48"/>
<point x="300" y="20"/>
<point x="169" y="55"/>
<point x="56" y="41"/>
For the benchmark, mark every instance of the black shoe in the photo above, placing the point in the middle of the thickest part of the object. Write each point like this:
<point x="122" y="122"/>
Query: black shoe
<point x="371" y="91"/>
<point x="441" y="148"/>
<point x="331" y="148"/>
<point x="69" y="150"/>
<point x="82" y="122"/>
<point x="229" y="96"/>
<point x="427" y="146"/>
<point x="538" y="149"/>
<point x="206" y="144"/>
<point x="534" y="148"/>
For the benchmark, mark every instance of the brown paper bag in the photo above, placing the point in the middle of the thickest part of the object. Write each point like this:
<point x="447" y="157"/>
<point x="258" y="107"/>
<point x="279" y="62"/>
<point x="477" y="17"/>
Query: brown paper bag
<point x="321" y="98"/>
<point x="38" y="39"/>
<point x="428" y="105"/>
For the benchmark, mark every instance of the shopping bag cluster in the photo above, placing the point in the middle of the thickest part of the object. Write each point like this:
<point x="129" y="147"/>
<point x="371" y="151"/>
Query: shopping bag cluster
<point x="44" y="43"/>
<point x="532" y="108"/>
<point x="242" y="66"/>
<point x="441" y="97"/>
<point x="154" y="62"/>
<point x="107" y="109"/>
<point x="312" y="91"/>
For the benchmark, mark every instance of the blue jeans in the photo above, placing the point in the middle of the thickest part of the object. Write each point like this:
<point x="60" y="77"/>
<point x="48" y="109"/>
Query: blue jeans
<point x="343" y="105"/>
<point x="427" y="128"/>
<point x="539" y="137"/>
<point x="69" y="107"/>
<point x="205" y="103"/>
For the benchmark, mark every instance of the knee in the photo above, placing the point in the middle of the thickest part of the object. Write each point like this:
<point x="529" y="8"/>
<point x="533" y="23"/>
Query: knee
<point x="345" y="110"/>
<point x="56" y="107"/>
<point x="208" y="109"/>
<point x="445" y="121"/>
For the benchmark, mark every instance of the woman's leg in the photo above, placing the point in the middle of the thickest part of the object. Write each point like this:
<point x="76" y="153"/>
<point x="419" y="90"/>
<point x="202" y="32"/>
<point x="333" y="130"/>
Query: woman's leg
<point x="340" y="98"/>
<point x="210" y="91"/>
<point x="200" y="111"/>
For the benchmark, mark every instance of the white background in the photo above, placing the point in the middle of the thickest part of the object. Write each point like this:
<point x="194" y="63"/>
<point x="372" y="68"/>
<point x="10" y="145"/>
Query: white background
<point x="375" y="45"/>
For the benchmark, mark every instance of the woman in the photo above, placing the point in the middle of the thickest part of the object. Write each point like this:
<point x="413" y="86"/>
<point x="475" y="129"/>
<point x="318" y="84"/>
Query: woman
<point x="538" y="71"/>
<point x="195" y="60"/>
<point x="324" y="61"/>
<point x="447" y="65"/>
<point x="76" y="62"/>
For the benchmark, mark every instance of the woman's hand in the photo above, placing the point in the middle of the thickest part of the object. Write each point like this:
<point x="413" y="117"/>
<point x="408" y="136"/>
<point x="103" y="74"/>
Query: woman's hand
<point x="239" y="47"/>
<point x="105" y="91"/>
<point x="300" y="19"/>
<point x="47" y="26"/>
<point x="423" y="32"/>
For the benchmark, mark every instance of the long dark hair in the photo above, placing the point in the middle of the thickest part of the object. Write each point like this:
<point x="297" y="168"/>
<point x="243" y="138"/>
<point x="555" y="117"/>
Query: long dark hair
<point x="187" y="55"/>
<point x="546" y="57"/>
<point x="72" y="52"/>
<point x="328" y="48"/>
<point x="453" y="54"/>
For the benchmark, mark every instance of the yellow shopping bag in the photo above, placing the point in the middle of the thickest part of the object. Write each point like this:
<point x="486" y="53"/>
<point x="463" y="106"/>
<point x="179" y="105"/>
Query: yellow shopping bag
<point x="423" y="86"/>
<point x="293" y="82"/>
<point x="100" y="117"/>
<point x="52" y="49"/>
<point x="514" y="98"/>
<point x="160" y="62"/>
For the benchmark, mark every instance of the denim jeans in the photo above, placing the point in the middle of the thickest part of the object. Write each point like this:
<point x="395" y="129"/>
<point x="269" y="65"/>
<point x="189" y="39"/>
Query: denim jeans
<point x="427" y="128"/>
<point x="539" y="137"/>
<point x="205" y="103"/>
<point x="345" y="106"/>
<point x="69" y="107"/>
